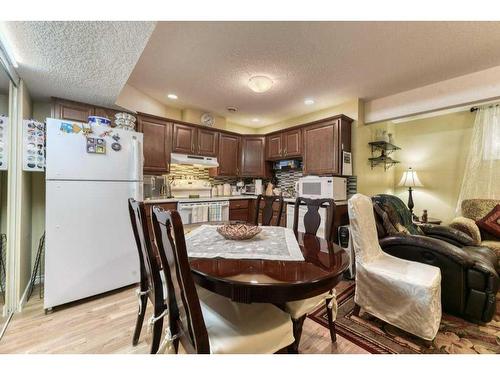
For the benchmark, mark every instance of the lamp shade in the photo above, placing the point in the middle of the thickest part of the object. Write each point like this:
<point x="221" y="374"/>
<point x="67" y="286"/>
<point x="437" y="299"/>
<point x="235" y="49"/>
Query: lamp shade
<point x="410" y="179"/>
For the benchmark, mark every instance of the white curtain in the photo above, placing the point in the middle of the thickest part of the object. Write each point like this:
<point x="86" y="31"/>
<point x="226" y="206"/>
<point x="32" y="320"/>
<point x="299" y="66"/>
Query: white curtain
<point x="482" y="170"/>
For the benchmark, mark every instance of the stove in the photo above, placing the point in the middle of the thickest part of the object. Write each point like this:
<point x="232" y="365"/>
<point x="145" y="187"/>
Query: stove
<point x="190" y="188"/>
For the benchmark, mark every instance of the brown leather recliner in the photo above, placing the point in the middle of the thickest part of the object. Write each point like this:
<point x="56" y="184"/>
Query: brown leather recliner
<point x="469" y="280"/>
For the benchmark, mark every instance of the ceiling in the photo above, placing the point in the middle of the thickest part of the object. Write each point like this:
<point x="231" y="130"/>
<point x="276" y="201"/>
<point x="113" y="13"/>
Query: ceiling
<point x="208" y="64"/>
<point x="84" y="61"/>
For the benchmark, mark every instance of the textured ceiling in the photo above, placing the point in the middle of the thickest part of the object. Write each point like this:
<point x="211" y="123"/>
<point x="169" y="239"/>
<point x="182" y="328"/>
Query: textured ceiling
<point x="83" y="61"/>
<point x="208" y="64"/>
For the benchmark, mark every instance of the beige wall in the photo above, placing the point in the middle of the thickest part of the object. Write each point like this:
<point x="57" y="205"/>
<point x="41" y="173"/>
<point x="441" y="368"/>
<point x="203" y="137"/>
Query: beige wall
<point x="437" y="149"/>
<point x="134" y="100"/>
<point x="349" y="108"/>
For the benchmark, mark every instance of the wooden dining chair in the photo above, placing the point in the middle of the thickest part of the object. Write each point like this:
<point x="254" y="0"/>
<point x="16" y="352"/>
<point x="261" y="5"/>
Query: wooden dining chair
<point x="150" y="285"/>
<point x="267" y="210"/>
<point x="312" y="220"/>
<point x="212" y="324"/>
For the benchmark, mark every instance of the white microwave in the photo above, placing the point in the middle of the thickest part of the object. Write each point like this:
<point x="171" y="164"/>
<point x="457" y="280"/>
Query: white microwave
<point x="316" y="187"/>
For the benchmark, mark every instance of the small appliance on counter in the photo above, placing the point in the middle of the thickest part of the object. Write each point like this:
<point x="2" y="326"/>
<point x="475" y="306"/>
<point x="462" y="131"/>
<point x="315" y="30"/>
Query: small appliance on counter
<point x="316" y="187"/>
<point x="156" y="187"/>
<point x="186" y="188"/>
<point x="240" y="188"/>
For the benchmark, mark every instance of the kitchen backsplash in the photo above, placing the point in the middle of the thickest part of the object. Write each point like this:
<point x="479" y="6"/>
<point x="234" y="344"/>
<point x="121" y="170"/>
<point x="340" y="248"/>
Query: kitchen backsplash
<point x="286" y="179"/>
<point x="178" y="171"/>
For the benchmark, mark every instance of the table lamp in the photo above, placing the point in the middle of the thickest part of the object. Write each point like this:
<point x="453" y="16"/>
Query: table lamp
<point x="409" y="180"/>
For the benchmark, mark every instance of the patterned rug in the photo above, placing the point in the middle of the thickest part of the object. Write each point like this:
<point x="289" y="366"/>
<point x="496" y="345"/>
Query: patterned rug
<point x="455" y="336"/>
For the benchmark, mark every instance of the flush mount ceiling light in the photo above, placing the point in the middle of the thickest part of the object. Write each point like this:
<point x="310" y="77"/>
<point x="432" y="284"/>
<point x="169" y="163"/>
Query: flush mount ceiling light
<point x="232" y="109"/>
<point x="260" y="83"/>
<point x="172" y="96"/>
<point x="308" y="101"/>
<point x="255" y="120"/>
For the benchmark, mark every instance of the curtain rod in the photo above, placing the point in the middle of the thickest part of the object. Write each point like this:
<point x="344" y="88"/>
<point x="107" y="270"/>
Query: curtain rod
<point x="474" y="109"/>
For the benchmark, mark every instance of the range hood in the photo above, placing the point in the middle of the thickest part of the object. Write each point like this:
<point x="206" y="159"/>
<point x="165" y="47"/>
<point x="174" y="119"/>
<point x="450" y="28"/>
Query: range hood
<point x="196" y="160"/>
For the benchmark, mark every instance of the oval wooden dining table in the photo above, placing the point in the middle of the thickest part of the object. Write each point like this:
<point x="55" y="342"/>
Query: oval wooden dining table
<point x="274" y="281"/>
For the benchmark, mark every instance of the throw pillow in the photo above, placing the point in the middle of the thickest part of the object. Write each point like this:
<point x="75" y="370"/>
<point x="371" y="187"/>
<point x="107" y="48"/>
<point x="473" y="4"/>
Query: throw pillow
<point x="491" y="222"/>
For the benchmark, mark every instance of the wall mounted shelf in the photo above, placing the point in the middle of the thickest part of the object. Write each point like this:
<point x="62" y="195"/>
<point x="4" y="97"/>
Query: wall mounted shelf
<point x="385" y="149"/>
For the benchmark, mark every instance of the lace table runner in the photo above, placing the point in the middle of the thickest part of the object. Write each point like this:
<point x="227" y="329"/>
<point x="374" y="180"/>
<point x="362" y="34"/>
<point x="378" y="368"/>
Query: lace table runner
<point x="273" y="243"/>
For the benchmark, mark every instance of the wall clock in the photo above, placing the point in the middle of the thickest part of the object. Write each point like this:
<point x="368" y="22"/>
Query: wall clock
<point x="207" y="119"/>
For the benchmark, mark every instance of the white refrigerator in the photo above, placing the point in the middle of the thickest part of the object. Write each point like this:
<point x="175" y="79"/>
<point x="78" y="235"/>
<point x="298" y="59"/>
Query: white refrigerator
<point x="90" y="247"/>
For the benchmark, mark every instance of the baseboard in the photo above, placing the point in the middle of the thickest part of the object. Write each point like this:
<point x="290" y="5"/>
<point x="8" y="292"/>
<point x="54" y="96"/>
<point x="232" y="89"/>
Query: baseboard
<point x="24" y="298"/>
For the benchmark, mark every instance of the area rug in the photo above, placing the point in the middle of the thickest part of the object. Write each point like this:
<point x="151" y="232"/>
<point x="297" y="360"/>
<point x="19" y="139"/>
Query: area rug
<point x="455" y="336"/>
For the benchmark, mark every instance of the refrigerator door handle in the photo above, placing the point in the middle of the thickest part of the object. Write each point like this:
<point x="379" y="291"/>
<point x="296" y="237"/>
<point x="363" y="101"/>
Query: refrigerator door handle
<point x="137" y="162"/>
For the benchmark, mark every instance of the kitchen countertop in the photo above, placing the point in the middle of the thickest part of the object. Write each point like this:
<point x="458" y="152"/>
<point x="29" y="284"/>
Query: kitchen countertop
<point x="216" y="199"/>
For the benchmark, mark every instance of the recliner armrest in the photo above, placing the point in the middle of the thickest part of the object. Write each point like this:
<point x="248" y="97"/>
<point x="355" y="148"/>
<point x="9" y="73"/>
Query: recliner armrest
<point x="444" y="233"/>
<point x="429" y="244"/>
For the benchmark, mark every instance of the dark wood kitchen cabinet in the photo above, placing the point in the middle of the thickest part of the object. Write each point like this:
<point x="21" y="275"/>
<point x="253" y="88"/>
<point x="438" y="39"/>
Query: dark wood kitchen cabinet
<point x="208" y="142"/>
<point x="183" y="139"/>
<point x="283" y="145"/>
<point x="324" y="142"/>
<point x="156" y="143"/>
<point x="229" y="156"/>
<point x="72" y="111"/>
<point x="274" y="147"/>
<point x="292" y="143"/>
<point x="253" y="163"/>
<point x="75" y="111"/>
<point x="191" y="140"/>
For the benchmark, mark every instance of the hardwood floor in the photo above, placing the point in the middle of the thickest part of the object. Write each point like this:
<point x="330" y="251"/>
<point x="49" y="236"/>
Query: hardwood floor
<point x="105" y="324"/>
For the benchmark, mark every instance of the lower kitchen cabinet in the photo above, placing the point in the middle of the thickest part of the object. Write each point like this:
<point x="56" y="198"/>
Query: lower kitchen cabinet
<point x="239" y="210"/>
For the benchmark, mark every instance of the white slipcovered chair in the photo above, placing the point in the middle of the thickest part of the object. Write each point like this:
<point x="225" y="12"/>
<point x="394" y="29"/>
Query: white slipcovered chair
<point x="400" y="292"/>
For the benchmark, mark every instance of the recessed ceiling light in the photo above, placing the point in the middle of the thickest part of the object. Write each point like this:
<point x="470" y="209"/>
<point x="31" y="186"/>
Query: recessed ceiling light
<point x="260" y="83"/>
<point x="255" y="120"/>
<point x="172" y="96"/>
<point x="308" y="101"/>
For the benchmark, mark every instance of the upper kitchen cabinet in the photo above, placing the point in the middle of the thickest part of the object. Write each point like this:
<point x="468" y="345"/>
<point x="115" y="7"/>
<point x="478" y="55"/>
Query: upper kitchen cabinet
<point x="274" y="149"/>
<point x="183" y="139"/>
<point x="253" y="163"/>
<point x="283" y="145"/>
<point x="188" y="139"/>
<point x="208" y="142"/>
<point x="292" y="143"/>
<point x="229" y="156"/>
<point x="157" y="141"/>
<point x="72" y="111"/>
<point x="324" y="142"/>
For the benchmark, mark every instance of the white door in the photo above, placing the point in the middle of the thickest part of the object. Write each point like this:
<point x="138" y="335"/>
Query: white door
<point x="67" y="157"/>
<point x="90" y="247"/>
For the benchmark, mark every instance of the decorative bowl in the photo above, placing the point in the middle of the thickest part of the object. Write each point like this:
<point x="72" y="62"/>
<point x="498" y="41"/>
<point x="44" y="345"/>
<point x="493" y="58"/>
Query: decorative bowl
<point x="96" y="120"/>
<point x="238" y="232"/>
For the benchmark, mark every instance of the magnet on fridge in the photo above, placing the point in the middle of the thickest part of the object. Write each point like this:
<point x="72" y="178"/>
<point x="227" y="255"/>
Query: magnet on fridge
<point x="116" y="146"/>
<point x="100" y="150"/>
<point x="65" y="127"/>
<point x="106" y="133"/>
<point x="116" y="137"/>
